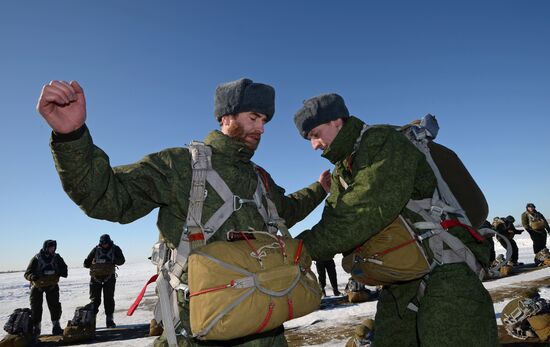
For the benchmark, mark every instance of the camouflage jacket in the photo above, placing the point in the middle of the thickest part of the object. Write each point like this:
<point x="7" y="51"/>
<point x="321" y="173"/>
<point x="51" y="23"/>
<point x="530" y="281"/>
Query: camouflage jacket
<point x="162" y="180"/>
<point x="381" y="175"/>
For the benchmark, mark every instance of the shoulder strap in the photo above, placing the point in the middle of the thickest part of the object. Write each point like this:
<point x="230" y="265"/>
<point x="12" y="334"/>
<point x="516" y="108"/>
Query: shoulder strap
<point x="201" y="163"/>
<point x="270" y="215"/>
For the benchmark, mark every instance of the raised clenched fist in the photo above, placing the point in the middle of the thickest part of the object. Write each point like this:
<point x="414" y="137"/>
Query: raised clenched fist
<point x="63" y="106"/>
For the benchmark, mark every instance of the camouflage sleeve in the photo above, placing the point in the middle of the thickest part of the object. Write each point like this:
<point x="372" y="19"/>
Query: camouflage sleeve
<point x="120" y="194"/>
<point x="30" y="270"/>
<point x="89" y="259"/>
<point x="62" y="266"/>
<point x="119" y="256"/>
<point x="382" y="183"/>
<point x="296" y="206"/>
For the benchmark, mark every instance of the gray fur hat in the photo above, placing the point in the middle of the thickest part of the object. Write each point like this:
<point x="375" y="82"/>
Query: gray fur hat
<point x="243" y="95"/>
<point x="319" y="110"/>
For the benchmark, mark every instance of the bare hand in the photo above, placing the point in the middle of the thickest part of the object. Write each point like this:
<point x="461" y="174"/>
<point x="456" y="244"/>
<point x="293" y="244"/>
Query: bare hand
<point x="63" y="106"/>
<point x="325" y="180"/>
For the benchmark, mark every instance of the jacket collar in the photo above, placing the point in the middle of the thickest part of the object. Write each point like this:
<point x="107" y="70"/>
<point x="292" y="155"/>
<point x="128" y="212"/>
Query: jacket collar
<point x="232" y="149"/>
<point x="343" y="143"/>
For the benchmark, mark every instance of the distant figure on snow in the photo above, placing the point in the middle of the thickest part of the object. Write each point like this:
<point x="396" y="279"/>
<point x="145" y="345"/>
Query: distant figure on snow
<point x="102" y="262"/>
<point x="537" y="226"/>
<point x="43" y="272"/>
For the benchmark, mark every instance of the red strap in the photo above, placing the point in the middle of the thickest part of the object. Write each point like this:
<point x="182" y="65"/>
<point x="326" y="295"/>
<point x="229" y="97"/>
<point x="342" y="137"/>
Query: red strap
<point x="213" y="289"/>
<point x="298" y="251"/>
<point x="389" y="250"/>
<point x="350" y="163"/>
<point x="290" y="309"/>
<point x="264" y="176"/>
<point x="196" y="237"/>
<point x="140" y="296"/>
<point x="267" y="318"/>
<point x="450" y="223"/>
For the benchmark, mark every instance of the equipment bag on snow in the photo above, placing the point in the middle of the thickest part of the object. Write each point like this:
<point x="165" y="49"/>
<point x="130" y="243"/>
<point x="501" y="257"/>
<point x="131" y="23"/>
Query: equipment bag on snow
<point x="19" y="322"/>
<point x="249" y="286"/>
<point x="82" y="326"/>
<point x="392" y="255"/>
<point x="357" y="292"/>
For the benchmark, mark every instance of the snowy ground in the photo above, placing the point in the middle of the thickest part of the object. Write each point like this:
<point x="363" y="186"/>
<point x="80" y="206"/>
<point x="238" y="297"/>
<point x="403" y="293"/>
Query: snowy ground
<point x="14" y="293"/>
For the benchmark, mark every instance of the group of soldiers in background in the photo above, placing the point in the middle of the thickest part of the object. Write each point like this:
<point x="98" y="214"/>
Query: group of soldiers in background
<point x="47" y="266"/>
<point x="533" y="222"/>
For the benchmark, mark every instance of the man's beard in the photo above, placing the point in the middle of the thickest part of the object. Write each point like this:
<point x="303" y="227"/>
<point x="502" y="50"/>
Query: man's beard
<point x="236" y="131"/>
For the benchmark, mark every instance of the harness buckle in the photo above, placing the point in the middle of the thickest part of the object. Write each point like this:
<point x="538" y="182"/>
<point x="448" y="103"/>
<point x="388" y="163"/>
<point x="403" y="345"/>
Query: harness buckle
<point x="437" y="211"/>
<point x="238" y="202"/>
<point x="185" y="289"/>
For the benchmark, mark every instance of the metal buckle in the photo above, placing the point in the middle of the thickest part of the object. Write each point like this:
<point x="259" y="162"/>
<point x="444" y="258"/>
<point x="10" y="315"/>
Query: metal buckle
<point x="238" y="202"/>
<point x="437" y="211"/>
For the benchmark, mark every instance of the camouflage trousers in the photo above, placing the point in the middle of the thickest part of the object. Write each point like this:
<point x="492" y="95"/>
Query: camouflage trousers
<point x="273" y="338"/>
<point x="456" y="310"/>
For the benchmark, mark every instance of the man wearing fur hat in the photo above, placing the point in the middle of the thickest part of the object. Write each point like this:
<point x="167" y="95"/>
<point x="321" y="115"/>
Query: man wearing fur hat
<point x="377" y="172"/>
<point x="163" y="180"/>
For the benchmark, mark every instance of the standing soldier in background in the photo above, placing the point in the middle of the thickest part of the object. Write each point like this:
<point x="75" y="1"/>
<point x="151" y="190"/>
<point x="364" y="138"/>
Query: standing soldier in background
<point x="102" y="262"/>
<point x="325" y="267"/>
<point x="163" y="180"/>
<point x="537" y="226"/>
<point x="43" y="272"/>
<point x="505" y="227"/>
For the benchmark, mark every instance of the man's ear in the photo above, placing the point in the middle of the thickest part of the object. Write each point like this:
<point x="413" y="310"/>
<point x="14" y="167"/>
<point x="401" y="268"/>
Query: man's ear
<point x="338" y="123"/>
<point x="225" y="120"/>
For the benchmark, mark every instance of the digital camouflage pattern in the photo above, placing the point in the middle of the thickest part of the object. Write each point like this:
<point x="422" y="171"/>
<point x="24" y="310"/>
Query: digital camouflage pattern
<point x="162" y="180"/>
<point x="382" y="175"/>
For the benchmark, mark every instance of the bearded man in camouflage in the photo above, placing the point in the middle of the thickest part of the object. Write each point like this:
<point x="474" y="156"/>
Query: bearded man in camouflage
<point x="163" y="180"/>
<point x="377" y="171"/>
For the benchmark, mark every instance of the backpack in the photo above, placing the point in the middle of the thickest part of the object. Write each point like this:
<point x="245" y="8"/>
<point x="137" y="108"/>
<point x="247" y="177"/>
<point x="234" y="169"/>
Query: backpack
<point x="457" y="202"/>
<point x="258" y="283"/>
<point x="543" y="257"/>
<point x="195" y="236"/>
<point x="357" y="292"/>
<point x="527" y="317"/>
<point x="83" y="316"/>
<point x="19" y="322"/>
<point x="536" y="222"/>
<point x="82" y="327"/>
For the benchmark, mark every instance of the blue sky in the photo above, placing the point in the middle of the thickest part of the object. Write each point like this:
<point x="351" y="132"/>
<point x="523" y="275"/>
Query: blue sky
<point x="149" y="70"/>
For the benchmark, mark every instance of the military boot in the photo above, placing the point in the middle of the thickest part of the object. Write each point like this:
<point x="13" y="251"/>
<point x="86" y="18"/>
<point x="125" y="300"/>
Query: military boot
<point x="109" y="322"/>
<point x="56" y="328"/>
